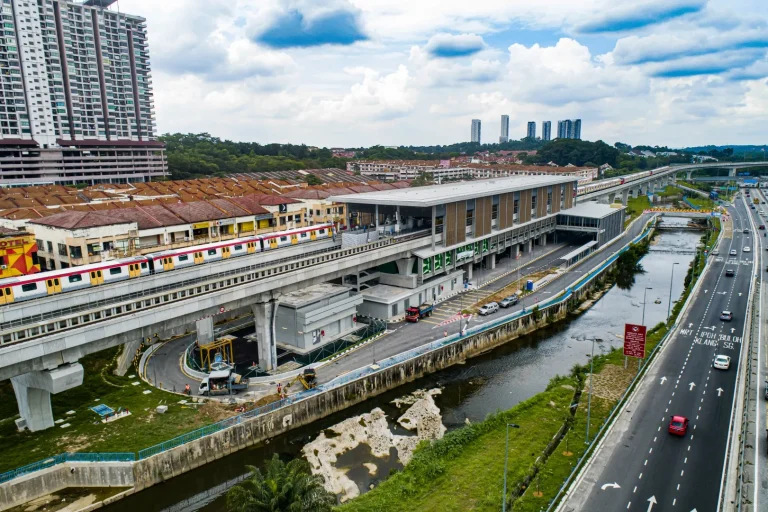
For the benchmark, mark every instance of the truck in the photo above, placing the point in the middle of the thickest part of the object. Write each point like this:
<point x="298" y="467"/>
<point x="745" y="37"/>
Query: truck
<point x="416" y="313"/>
<point x="222" y="382"/>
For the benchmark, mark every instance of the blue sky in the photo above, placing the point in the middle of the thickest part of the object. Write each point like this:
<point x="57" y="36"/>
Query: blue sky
<point x="363" y="72"/>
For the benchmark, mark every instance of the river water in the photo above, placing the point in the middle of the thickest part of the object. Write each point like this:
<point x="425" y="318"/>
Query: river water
<point x="494" y="381"/>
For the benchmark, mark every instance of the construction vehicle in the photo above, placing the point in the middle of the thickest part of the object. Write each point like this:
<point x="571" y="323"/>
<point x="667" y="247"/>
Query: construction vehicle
<point x="222" y="382"/>
<point x="307" y="378"/>
<point x="414" y="314"/>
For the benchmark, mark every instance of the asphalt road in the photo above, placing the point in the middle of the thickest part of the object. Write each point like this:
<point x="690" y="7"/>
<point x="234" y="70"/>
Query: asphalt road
<point x="404" y="336"/>
<point x="640" y="466"/>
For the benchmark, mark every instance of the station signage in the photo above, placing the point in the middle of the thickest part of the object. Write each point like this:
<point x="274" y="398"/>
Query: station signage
<point x="634" y="340"/>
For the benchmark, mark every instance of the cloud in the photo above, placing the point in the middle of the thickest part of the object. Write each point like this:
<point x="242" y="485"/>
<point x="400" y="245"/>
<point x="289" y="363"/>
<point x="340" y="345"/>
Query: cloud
<point x="304" y="26"/>
<point x="429" y="72"/>
<point x="639" y="15"/>
<point x="449" y="45"/>
<point x="564" y="73"/>
<point x="711" y="64"/>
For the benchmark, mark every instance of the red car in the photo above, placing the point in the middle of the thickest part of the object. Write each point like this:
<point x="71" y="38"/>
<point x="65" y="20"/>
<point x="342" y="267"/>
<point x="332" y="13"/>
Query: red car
<point x="678" y="425"/>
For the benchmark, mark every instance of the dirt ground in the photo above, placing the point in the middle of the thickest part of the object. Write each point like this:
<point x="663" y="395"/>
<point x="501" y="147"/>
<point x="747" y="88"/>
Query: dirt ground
<point x="612" y="381"/>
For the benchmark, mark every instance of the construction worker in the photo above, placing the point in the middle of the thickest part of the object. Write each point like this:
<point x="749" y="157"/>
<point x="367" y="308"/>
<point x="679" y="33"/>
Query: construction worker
<point x="187" y="390"/>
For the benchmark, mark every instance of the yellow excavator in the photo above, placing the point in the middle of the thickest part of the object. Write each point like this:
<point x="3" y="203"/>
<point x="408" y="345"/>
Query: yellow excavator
<point x="307" y="378"/>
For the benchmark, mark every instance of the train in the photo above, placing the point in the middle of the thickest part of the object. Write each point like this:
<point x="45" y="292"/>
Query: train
<point x="603" y="184"/>
<point x="34" y="286"/>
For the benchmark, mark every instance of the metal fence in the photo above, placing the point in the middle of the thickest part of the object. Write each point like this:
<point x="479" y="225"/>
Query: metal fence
<point x="337" y="382"/>
<point x="66" y="457"/>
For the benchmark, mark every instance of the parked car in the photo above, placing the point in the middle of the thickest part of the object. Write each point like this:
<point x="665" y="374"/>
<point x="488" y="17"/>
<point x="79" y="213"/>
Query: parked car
<point x="726" y="316"/>
<point x="489" y="308"/>
<point x="508" y="301"/>
<point x="721" y="362"/>
<point x="678" y="425"/>
<point x="729" y="272"/>
<point x="761" y="226"/>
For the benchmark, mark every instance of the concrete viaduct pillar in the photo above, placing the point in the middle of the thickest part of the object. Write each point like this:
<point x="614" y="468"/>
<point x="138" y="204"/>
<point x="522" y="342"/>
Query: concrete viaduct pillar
<point x="732" y="171"/>
<point x="624" y="196"/>
<point x="543" y="240"/>
<point x="33" y="392"/>
<point x="264" y="315"/>
<point x="688" y="175"/>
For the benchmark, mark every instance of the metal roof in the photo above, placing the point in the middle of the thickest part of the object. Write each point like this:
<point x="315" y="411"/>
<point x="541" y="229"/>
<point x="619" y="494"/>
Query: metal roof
<point x="580" y="250"/>
<point x="590" y="209"/>
<point x="442" y="194"/>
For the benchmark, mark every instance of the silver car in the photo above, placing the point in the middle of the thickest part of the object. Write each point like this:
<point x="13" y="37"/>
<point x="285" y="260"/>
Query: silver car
<point x="488" y="309"/>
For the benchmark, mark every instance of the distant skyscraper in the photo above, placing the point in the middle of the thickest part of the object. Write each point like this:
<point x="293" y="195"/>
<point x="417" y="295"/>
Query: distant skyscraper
<point x="476" y="136"/>
<point x="546" y="130"/>
<point x="576" y="129"/>
<point x="531" y="133"/>
<point x="504" y="137"/>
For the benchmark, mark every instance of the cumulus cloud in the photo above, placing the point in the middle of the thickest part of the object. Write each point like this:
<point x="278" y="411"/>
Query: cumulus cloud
<point x="638" y="15"/>
<point x="449" y="45"/>
<point x="566" y="72"/>
<point x="302" y="24"/>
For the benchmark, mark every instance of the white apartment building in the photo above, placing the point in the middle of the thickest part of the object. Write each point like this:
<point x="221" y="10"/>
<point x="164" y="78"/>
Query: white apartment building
<point x="476" y="131"/>
<point x="75" y="93"/>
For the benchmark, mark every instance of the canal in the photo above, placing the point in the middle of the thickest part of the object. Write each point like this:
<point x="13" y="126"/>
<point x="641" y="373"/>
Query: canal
<point x="497" y="380"/>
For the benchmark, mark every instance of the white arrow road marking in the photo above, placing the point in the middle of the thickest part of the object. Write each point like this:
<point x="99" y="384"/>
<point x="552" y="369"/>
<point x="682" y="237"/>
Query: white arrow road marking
<point x="739" y="294"/>
<point x="614" y="485"/>
<point x="705" y="291"/>
<point x="710" y="328"/>
<point x="663" y="379"/>
<point x="692" y="385"/>
<point x="719" y="391"/>
<point x="690" y="325"/>
<point x="732" y="330"/>
<point x="651" y="502"/>
<point x="722" y="293"/>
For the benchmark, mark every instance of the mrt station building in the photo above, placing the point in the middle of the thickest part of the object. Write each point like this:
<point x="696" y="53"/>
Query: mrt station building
<point x="466" y="225"/>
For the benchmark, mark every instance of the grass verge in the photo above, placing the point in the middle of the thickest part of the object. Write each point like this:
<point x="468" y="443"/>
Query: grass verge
<point x="143" y="428"/>
<point x="635" y="207"/>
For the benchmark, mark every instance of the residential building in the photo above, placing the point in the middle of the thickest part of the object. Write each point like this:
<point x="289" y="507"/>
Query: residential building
<point x="575" y="132"/>
<point x="476" y="135"/>
<point x="546" y="130"/>
<point x="531" y="133"/>
<point x="563" y="128"/>
<point x="76" y="104"/>
<point x="504" y="137"/>
<point x="18" y="253"/>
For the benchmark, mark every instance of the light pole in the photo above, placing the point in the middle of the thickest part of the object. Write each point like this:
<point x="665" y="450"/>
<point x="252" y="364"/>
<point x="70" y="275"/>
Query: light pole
<point x="589" y="396"/>
<point x="645" y="294"/>
<point x="506" y="458"/>
<point x="669" y="303"/>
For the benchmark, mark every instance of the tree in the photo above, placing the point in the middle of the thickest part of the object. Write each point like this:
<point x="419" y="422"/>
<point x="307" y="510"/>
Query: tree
<point x="282" y="488"/>
<point x="311" y="179"/>
<point x="424" y="178"/>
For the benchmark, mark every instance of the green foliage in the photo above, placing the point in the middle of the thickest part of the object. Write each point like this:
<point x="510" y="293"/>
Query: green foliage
<point x="196" y="155"/>
<point x="281" y="488"/>
<point x="628" y="265"/>
<point x="424" y="178"/>
<point x="536" y="313"/>
<point x="311" y="179"/>
<point x="578" y="152"/>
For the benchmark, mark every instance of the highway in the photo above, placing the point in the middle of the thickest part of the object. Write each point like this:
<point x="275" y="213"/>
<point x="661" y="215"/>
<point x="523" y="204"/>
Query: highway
<point x="639" y="465"/>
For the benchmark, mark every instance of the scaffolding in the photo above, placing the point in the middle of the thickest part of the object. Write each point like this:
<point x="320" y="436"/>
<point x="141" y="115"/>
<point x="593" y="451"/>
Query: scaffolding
<point x="220" y="347"/>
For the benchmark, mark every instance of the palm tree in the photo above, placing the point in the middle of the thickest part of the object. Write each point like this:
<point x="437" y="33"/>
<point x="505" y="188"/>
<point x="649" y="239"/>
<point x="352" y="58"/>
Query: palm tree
<point x="282" y="488"/>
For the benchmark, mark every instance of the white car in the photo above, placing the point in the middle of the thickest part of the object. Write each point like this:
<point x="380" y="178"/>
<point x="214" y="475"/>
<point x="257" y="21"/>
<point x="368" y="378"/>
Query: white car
<point x="489" y="308"/>
<point x="746" y="249"/>
<point x="733" y="252"/>
<point x="721" y="362"/>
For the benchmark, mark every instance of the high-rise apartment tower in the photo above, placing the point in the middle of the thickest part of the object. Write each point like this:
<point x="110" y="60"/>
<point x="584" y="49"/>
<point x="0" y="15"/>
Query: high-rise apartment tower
<point x="75" y="76"/>
<point x="476" y="135"/>
<point x="546" y="130"/>
<point x="504" y="137"/>
<point x="531" y="133"/>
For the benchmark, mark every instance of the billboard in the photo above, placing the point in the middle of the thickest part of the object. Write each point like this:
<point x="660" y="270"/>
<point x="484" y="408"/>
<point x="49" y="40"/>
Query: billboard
<point x="634" y="340"/>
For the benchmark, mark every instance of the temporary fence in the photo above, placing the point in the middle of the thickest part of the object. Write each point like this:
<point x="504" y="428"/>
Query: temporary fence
<point x="337" y="382"/>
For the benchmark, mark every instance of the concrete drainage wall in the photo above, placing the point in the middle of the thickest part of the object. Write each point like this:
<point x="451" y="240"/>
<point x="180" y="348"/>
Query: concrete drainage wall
<point x="40" y="483"/>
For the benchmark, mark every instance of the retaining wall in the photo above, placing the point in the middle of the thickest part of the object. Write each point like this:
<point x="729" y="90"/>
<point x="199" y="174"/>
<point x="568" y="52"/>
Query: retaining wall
<point x="76" y="474"/>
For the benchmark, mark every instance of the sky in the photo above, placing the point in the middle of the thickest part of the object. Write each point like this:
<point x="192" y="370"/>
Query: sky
<point x="350" y="73"/>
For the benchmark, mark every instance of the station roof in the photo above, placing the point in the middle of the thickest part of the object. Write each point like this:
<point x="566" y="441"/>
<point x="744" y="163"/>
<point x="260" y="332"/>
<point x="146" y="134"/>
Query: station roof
<point x="449" y="193"/>
<point x="591" y="210"/>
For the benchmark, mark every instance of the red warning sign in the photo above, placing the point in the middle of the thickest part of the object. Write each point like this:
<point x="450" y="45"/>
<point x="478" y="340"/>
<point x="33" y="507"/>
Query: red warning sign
<point x="634" y="340"/>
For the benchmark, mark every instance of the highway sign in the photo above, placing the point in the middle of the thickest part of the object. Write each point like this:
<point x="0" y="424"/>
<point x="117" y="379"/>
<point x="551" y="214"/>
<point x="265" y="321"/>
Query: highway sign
<point x="634" y="340"/>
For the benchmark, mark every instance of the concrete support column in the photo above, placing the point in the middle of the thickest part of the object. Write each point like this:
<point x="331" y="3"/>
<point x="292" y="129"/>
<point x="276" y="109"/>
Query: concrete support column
<point x="127" y="353"/>
<point x="397" y="219"/>
<point x="33" y="392"/>
<point x="405" y="266"/>
<point x="732" y="171"/>
<point x="490" y="261"/>
<point x="527" y="246"/>
<point x="377" y="218"/>
<point x="543" y="240"/>
<point x="611" y="197"/>
<point x="625" y="196"/>
<point x="688" y="175"/>
<point x="468" y="271"/>
<point x="204" y="328"/>
<point x="264" y="314"/>
<point x="514" y="251"/>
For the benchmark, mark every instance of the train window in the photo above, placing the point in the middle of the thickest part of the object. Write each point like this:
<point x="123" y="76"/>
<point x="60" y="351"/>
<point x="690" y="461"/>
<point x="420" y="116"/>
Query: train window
<point x="29" y="287"/>
<point x="238" y="247"/>
<point x="211" y="252"/>
<point x="75" y="279"/>
<point x="321" y="231"/>
<point x="115" y="271"/>
<point x="283" y="238"/>
<point x="7" y="291"/>
<point x="303" y="235"/>
<point x="184" y="257"/>
<point x="144" y="265"/>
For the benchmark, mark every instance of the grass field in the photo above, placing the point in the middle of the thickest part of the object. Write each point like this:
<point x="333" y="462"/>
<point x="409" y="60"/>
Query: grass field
<point x="143" y="428"/>
<point x="635" y="207"/>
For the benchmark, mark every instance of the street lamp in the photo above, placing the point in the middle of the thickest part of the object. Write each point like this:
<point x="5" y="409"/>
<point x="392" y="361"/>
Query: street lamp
<point x="506" y="458"/>
<point x="669" y="303"/>
<point x="589" y="396"/>
<point x="645" y="294"/>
